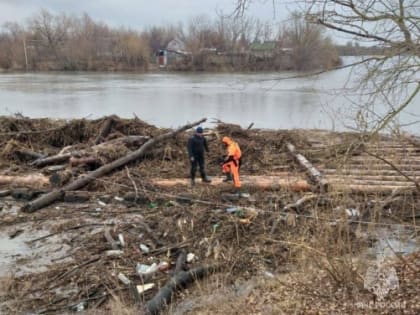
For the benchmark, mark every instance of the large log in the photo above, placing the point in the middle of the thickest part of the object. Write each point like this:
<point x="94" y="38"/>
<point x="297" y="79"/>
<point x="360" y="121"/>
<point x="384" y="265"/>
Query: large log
<point x="179" y="281"/>
<point x="83" y="180"/>
<point x="313" y="173"/>
<point x="262" y="182"/>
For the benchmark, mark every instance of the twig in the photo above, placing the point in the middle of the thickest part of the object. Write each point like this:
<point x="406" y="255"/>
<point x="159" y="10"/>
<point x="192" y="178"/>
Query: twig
<point x="69" y="229"/>
<point x="134" y="184"/>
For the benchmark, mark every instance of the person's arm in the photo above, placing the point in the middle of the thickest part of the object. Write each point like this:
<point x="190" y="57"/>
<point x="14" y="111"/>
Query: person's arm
<point x="206" y="147"/>
<point x="190" y="148"/>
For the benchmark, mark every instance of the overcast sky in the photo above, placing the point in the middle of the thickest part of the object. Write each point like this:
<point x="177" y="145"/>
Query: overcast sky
<point x="138" y="14"/>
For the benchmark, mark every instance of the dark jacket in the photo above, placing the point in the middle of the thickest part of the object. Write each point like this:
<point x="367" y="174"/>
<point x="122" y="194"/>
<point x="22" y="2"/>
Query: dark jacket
<point x="196" y="146"/>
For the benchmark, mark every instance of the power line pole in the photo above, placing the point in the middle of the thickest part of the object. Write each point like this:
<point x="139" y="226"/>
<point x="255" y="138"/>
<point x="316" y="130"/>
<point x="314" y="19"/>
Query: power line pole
<point x="26" y="54"/>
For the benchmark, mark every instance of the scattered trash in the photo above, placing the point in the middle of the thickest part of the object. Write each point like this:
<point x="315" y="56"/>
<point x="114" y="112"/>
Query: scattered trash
<point x="121" y="239"/>
<point x="145" y="249"/>
<point x="268" y="274"/>
<point x="118" y="198"/>
<point x="114" y="252"/>
<point x="351" y="212"/>
<point x="98" y="209"/>
<point x="80" y="307"/>
<point x="240" y="213"/>
<point x="124" y="279"/>
<point x="144" y="270"/>
<point x="215" y="227"/>
<point x="191" y="257"/>
<point x="152" y="205"/>
<point x="232" y="209"/>
<point x="145" y="287"/>
<point x="101" y="203"/>
<point x="244" y="195"/>
<point x="163" y="266"/>
<point x="246" y="221"/>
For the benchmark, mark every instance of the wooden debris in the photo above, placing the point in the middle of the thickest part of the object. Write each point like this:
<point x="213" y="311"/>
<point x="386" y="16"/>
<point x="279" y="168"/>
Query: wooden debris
<point x="314" y="173"/>
<point x="179" y="281"/>
<point x="263" y="182"/>
<point x="105" y="129"/>
<point x="33" y="180"/>
<point x="82" y="181"/>
<point x="113" y="243"/>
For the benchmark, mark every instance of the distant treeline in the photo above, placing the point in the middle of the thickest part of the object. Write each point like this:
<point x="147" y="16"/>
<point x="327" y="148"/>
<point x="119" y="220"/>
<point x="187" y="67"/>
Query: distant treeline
<point x="355" y="49"/>
<point x="68" y="43"/>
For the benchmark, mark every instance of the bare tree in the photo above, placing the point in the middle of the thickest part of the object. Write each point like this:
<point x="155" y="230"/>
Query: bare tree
<point x="391" y="78"/>
<point x="51" y="29"/>
<point x="312" y="49"/>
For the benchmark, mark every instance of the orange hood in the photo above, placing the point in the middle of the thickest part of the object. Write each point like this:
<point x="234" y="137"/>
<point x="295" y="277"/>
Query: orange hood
<point x="227" y="140"/>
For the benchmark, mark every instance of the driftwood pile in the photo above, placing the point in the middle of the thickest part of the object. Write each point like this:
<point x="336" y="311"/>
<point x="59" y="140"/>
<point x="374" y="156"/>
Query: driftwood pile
<point x="92" y="185"/>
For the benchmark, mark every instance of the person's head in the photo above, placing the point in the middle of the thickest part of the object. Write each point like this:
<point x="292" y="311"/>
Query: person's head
<point x="199" y="131"/>
<point x="226" y="141"/>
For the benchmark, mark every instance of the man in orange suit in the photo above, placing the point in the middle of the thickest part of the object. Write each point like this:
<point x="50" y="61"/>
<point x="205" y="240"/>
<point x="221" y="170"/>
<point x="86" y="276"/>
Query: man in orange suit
<point x="232" y="162"/>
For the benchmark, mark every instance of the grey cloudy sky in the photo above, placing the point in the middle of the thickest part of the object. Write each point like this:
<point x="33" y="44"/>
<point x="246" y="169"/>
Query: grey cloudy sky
<point x="138" y="14"/>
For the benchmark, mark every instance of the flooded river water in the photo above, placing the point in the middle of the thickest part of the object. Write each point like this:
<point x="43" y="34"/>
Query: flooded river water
<point x="172" y="99"/>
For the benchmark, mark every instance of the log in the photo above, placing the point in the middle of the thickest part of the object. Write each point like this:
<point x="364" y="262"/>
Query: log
<point x="65" y="157"/>
<point x="89" y="161"/>
<point x="262" y="182"/>
<point x="33" y="180"/>
<point x="313" y="173"/>
<point x="105" y="129"/>
<point x="28" y="155"/>
<point x="27" y="194"/>
<point x="55" y="159"/>
<point x="177" y="282"/>
<point x="76" y="196"/>
<point x="83" y="180"/>
<point x="180" y="262"/>
<point x="58" y="179"/>
<point x="127" y="140"/>
<point x="5" y="193"/>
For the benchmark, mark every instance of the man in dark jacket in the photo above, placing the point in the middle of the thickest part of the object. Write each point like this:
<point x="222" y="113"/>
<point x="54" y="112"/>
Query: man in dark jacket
<point x="196" y="146"/>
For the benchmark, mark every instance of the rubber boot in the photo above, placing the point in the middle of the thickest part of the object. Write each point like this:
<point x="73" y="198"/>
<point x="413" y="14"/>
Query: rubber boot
<point x="228" y="177"/>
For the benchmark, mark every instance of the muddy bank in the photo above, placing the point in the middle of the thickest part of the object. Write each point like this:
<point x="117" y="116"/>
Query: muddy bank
<point x="299" y="250"/>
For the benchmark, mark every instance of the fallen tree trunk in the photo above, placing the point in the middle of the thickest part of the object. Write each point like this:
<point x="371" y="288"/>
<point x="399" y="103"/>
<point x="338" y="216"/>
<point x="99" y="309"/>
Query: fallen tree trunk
<point x="179" y="281"/>
<point x="314" y="174"/>
<point x="263" y="182"/>
<point x="82" y="181"/>
<point x="28" y="155"/>
<point x="55" y="159"/>
<point x="34" y="180"/>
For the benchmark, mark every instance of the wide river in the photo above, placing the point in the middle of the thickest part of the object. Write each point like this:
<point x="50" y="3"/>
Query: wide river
<point x="172" y="99"/>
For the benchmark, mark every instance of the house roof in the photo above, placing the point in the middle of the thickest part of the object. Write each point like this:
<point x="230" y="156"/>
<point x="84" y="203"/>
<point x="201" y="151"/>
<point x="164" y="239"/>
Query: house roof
<point x="263" y="46"/>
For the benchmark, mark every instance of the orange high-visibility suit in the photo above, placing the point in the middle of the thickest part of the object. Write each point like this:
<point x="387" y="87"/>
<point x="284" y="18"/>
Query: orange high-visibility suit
<point x="232" y="161"/>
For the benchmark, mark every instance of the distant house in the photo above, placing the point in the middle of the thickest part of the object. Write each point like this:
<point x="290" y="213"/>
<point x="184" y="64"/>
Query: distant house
<point x="176" y="45"/>
<point x="175" y="51"/>
<point x="268" y="49"/>
<point x="264" y="49"/>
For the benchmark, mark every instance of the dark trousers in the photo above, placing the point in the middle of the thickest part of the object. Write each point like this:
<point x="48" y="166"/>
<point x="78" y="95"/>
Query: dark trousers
<point x="198" y="160"/>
